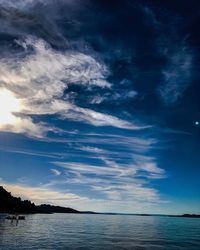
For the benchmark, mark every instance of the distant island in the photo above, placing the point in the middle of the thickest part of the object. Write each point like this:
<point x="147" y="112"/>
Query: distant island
<point x="191" y="215"/>
<point x="12" y="205"/>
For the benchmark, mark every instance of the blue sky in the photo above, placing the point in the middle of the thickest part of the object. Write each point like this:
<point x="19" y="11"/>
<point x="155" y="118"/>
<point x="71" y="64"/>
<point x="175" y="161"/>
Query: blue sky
<point x="99" y="102"/>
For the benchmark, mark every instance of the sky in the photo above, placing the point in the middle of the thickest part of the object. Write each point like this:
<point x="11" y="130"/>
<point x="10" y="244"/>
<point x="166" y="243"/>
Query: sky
<point x="100" y="104"/>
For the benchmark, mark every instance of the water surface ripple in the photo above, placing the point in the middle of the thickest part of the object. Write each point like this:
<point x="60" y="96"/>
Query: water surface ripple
<point x="96" y="232"/>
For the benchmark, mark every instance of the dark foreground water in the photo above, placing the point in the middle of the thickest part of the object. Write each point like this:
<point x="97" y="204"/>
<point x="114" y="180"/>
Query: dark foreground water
<point x="73" y="231"/>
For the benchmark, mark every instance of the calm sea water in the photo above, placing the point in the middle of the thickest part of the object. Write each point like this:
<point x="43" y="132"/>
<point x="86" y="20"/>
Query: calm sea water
<point x="76" y="231"/>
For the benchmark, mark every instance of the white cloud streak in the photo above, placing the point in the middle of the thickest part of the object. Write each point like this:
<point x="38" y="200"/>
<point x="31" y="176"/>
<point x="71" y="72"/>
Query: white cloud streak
<point x="31" y="153"/>
<point x="55" y="172"/>
<point x="117" y="180"/>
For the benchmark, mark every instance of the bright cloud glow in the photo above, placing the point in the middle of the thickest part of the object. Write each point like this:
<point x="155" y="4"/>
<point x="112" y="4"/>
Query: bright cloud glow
<point x="45" y="74"/>
<point x="8" y="105"/>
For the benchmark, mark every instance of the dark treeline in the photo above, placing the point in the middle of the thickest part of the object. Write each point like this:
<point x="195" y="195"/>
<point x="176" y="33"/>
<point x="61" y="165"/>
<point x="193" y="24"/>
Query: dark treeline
<point x="44" y="208"/>
<point x="10" y="204"/>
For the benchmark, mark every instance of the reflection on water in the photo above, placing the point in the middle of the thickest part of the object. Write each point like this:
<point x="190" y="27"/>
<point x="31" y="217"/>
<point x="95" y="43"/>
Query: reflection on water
<point x="76" y="231"/>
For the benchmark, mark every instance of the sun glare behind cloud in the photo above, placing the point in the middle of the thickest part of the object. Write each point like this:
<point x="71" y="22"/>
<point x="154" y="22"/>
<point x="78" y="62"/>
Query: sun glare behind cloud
<point x="8" y="105"/>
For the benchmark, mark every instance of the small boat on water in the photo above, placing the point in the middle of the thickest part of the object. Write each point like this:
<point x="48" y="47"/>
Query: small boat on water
<point x="15" y="217"/>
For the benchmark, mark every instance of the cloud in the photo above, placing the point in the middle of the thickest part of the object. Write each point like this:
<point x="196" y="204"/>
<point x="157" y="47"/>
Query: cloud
<point x="72" y="112"/>
<point x="31" y="152"/>
<point x="116" y="96"/>
<point x="177" y="75"/>
<point x="124" y="144"/>
<point x="55" y="172"/>
<point x="85" y="168"/>
<point x="93" y="150"/>
<point x="28" y="127"/>
<point x="123" y="180"/>
<point x="44" y="74"/>
<point x="17" y="4"/>
<point x="151" y="18"/>
<point x="177" y="56"/>
<point x="99" y="119"/>
<point x="24" y="4"/>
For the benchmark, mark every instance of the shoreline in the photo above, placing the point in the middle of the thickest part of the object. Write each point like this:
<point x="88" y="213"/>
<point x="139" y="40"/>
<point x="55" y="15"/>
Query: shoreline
<point x="195" y="216"/>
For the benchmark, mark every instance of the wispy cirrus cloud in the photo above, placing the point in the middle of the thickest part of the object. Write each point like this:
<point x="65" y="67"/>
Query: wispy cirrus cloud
<point x="93" y="149"/>
<point x="55" y="172"/>
<point x="111" y="97"/>
<point x="21" y="4"/>
<point x="177" y="74"/>
<point x="127" y="180"/>
<point x="44" y="75"/>
<point x="31" y="152"/>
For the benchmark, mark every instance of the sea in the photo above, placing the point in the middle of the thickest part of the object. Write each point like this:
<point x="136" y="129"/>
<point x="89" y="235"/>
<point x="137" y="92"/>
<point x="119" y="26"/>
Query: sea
<point x="99" y="232"/>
